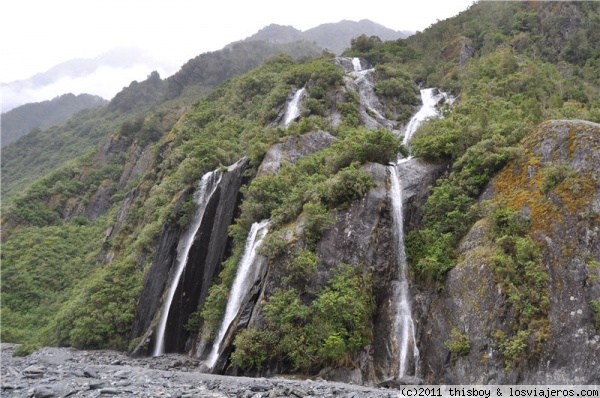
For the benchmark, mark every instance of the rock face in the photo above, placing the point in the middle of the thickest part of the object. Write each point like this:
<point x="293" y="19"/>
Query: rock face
<point x="136" y="161"/>
<point x="556" y="183"/>
<point x="361" y="235"/>
<point x="204" y="260"/>
<point x="293" y="149"/>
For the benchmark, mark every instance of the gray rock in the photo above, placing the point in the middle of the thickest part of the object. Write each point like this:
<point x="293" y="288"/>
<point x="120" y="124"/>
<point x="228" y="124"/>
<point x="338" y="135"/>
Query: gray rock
<point x="261" y="385"/>
<point x="293" y="149"/>
<point x="121" y="374"/>
<point x="298" y="392"/>
<point x="43" y="392"/>
<point x="110" y="391"/>
<point x="98" y="384"/>
<point x="207" y="252"/>
<point x="89" y="372"/>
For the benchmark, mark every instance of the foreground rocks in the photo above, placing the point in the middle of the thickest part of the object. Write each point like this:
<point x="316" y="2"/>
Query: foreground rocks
<point x="66" y="372"/>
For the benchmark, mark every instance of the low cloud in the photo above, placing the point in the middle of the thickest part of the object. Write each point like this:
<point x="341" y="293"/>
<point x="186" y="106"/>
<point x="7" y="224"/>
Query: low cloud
<point x="102" y="80"/>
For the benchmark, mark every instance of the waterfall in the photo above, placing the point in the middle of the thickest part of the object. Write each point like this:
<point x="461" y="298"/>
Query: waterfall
<point x="404" y="325"/>
<point x="206" y="188"/>
<point x="241" y="285"/>
<point x="430" y="98"/>
<point x="371" y="109"/>
<point x="293" y="110"/>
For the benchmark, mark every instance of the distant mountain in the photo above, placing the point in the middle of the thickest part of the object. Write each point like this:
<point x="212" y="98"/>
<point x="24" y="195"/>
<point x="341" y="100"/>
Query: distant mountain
<point x="21" y="120"/>
<point x="104" y="75"/>
<point x="334" y="37"/>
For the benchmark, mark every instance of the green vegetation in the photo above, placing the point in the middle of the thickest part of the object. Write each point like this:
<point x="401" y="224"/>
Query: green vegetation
<point x="595" y="306"/>
<point x="499" y="106"/>
<point x="40" y="268"/>
<point x="330" y="330"/>
<point x="458" y="343"/>
<point x="21" y="120"/>
<point x="331" y="178"/>
<point x="522" y="275"/>
<point x="554" y="176"/>
<point x="41" y="152"/>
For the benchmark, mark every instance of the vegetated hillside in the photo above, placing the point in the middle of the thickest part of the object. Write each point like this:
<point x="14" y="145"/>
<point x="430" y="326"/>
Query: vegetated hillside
<point x="159" y="101"/>
<point x="320" y="298"/>
<point x="20" y="121"/>
<point x="334" y="37"/>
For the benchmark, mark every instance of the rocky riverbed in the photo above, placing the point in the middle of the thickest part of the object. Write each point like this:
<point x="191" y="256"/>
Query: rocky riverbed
<point x="66" y="372"/>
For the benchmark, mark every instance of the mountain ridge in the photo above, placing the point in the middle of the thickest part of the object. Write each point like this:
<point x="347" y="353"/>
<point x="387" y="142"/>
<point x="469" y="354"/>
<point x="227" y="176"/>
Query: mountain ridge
<point x="41" y="115"/>
<point x="334" y="36"/>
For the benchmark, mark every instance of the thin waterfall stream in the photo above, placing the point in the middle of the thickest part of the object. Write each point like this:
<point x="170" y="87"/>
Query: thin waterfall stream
<point x="206" y="188"/>
<point x="404" y="324"/>
<point x="408" y="352"/>
<point x="241" y="285"/>
<point x="293" y="109"/>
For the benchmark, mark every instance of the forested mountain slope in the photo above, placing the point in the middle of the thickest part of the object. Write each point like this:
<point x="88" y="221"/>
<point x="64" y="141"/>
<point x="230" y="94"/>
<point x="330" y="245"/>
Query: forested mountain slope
<point x="501" y="196"/>
<point x="20" y="121"/>
<point x="152" y="106"/>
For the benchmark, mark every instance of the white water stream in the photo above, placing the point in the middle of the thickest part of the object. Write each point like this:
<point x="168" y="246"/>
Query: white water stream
<point x="430" y="97"/>
<point x="293" y="109"/>
<point x="206" y="188"/>
<point x="404" y="324"/>
<point x="241" y="285"/>
<point x="408" y="352"/>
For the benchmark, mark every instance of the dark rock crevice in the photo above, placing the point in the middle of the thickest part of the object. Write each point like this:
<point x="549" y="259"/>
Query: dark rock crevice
<point x="210" y="245"/>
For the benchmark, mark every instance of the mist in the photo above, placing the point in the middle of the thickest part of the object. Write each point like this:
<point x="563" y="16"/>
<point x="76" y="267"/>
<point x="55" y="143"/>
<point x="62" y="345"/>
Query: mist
<point x="104" y="76"/>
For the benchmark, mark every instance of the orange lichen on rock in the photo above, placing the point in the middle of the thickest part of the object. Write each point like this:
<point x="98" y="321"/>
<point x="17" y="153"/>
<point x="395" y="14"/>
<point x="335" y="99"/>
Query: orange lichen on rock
<point x="553" y="145"/>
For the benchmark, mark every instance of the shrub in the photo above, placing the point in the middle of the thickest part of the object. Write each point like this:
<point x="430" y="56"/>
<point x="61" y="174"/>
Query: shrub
<point x="458" y="343"/>
<point x="251" y="349"/>
<point x="24" y="350"/>
<point x="513" y="348"/>
<point x="331" y="330"/>
<point x="554" y="175"/>
<point x="595" y="306"/>
<point x="316" y="221"/>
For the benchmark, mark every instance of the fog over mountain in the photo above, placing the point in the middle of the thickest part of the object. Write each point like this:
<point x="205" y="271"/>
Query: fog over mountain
<point x="104" y="75"/>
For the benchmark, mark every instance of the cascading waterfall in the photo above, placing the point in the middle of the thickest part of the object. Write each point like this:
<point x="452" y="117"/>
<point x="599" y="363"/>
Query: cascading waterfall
<point x="404" y="324"/>
<point x="241" y="285"/>
<point x="206" y="188"/>
<point x="293" y="110"/>
<point x="372" y="112"/>
<point x="430" y="99"/>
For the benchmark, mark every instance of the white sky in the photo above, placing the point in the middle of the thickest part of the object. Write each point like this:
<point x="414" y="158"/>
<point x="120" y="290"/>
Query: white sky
<point x="38" y="34"/>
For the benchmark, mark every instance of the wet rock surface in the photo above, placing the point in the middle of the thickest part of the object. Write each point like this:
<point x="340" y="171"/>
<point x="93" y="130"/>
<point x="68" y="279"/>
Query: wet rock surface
<point x="66" y="372"/>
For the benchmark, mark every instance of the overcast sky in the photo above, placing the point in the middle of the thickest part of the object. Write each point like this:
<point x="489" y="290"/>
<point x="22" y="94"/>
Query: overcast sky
<point x="38" y="34"/>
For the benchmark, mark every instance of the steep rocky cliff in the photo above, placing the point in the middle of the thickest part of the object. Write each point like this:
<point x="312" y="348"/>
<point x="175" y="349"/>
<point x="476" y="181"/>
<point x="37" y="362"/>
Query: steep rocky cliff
<point x="203" y="264"/>
<point x="555" y="184"/>
<point x="360" y="235"/>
